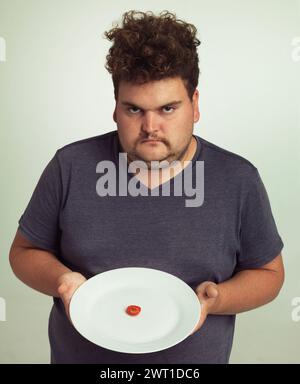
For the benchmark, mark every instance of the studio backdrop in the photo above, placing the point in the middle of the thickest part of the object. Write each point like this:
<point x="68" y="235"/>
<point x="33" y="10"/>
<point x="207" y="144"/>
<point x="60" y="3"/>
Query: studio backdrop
<point x="54" y="90"/>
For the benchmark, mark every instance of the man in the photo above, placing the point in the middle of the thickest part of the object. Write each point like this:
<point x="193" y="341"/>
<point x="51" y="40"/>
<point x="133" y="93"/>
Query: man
<point x="227" y="248"/>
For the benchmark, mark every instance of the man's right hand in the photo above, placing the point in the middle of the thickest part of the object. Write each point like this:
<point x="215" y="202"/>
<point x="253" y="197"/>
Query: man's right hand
<point x="67" y="285"/>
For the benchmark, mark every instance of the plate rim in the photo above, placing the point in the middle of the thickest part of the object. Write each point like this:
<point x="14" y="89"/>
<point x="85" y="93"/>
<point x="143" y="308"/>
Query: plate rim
<point x="170" y="275"/>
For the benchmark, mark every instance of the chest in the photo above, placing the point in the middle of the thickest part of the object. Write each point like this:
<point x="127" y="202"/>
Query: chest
<point x="194" y="244"/>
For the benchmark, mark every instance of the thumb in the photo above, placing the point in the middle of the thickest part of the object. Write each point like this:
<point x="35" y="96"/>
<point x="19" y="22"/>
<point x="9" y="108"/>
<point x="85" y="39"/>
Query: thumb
<point x="211" y="290"/>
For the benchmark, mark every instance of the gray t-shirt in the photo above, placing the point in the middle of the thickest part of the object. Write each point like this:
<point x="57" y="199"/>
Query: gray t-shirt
<point x="232" y="230"/>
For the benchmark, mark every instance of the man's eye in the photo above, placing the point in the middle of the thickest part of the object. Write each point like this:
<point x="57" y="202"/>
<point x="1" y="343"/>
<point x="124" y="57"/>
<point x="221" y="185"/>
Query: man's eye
<point x="132" y="108"/>
<point x="168" y="108"/>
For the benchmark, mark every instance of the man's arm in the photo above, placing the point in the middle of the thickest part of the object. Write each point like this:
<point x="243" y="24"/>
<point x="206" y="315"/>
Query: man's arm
<point x="42" y="271"/>
<point x="249" y="289"/>
<point x="246" y="290"/>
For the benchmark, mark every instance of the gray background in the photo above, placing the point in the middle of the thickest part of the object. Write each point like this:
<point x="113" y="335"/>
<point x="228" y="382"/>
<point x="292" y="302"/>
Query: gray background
<point x="54" y="90"/>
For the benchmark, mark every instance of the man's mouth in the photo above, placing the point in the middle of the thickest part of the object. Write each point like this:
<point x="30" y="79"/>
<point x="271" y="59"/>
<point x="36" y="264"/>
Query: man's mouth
<point x="151" y="141"/>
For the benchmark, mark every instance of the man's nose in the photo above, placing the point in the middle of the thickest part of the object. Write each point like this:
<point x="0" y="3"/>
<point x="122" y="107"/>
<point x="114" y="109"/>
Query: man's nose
<point x="150" y="122"/>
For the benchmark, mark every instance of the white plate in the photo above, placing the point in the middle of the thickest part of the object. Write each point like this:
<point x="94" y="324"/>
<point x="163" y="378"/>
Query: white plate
<point x="170" y="310"/>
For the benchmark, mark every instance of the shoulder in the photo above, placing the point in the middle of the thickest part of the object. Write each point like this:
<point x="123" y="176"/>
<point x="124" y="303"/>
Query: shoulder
<point x="224" y="162"/>
<point x="99" y="140"/>
<point x="92" y="147"/>
<point x="213" y="151"/>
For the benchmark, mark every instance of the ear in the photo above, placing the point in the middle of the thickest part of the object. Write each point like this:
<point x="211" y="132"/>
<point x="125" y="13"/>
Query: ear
<point x="195" y="102"/>
<point x="115" y="115"/>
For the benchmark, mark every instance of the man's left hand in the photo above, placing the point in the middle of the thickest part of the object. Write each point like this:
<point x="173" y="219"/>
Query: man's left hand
<point x="208" y="295"/>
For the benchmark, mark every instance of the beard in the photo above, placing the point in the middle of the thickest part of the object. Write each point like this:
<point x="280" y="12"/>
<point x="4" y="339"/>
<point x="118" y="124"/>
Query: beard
<point x="164" y="160"/>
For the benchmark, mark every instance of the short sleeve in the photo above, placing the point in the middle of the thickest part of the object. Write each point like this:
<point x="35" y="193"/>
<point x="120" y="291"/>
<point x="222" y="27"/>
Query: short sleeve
<point x="260" y="241"/>
<point x="40" y="221"/>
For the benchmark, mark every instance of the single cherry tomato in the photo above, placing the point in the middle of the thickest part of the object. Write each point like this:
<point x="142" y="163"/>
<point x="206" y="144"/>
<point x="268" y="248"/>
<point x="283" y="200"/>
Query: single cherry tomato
<point x="133" y="310"/>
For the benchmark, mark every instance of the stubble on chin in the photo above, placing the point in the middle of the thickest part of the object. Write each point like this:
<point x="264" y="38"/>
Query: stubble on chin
<point x="169" y="158"/>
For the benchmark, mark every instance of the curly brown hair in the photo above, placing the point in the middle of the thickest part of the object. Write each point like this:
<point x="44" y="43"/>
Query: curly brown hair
<point x="149" y="47"/>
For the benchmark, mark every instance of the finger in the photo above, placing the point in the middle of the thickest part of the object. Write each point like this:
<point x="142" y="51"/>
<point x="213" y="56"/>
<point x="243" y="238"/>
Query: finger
<point x="201" y="288"/>
<point x="66" y="302"/>
<point x="211" y="291"/>
<point x="199" y="324"/>
<point x="62" y="289"/>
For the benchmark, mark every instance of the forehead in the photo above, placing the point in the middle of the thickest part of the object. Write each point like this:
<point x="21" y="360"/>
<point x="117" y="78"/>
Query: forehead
<point x="153" y="93"/>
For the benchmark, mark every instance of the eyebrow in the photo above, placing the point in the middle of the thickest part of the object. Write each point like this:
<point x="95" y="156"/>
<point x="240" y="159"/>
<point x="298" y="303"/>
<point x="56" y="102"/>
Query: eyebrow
<point x="175" y="102"/>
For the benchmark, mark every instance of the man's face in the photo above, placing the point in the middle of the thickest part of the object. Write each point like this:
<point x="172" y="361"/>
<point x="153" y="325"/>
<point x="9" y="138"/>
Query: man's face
<point x="159" y="110"/>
